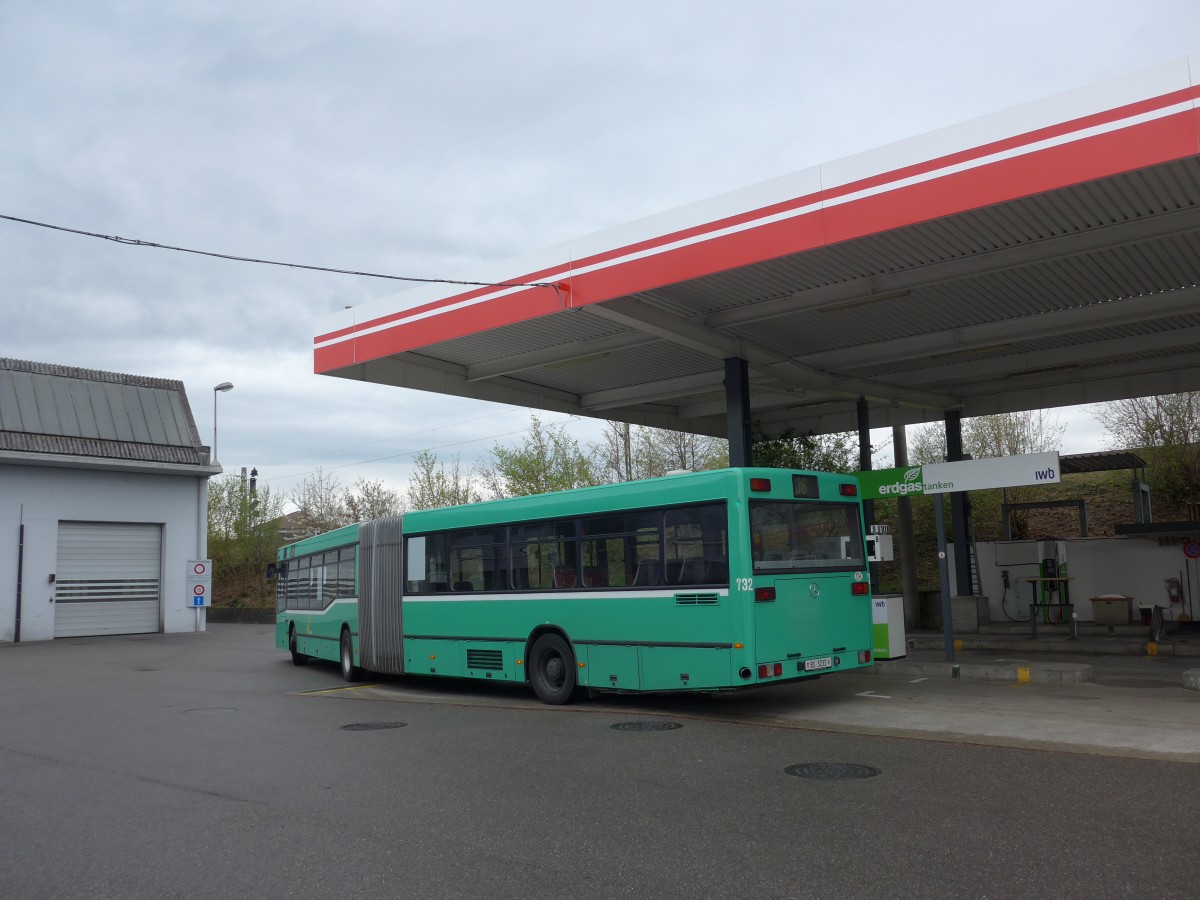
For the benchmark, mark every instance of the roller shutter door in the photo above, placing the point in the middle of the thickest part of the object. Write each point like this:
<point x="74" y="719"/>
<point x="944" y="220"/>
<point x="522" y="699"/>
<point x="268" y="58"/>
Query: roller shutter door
<point x="107" y="580"/>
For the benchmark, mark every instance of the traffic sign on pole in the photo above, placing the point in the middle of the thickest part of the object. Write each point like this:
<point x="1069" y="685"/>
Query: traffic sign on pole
<point x="199" y="583"/>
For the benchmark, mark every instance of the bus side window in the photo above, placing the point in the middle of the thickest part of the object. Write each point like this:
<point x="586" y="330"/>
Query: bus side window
<point x="646" y="574"/>
<point x="691" y="571"/>
<point x="716" y="572"/>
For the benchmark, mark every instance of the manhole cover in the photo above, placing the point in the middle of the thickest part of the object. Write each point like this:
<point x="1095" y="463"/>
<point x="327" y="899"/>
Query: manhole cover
<point x="829" y="771"/>
<point x="372" y="726"/>
<point x="211" y="710"/>
<point x="645" y="726"/>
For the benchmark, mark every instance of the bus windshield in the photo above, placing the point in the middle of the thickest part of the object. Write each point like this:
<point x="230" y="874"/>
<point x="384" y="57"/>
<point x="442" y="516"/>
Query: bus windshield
<point x="786" y="536"/>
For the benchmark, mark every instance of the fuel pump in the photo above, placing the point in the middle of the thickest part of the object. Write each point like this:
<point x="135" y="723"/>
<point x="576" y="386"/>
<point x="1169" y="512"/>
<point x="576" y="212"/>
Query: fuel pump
<point x="1053" y="565"/>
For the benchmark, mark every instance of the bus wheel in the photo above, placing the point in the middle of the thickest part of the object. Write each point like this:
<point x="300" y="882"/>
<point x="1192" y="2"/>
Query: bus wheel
<point x="298" y="659"/>
<point x="350" y="672"/>
<point x="552" y="670"/>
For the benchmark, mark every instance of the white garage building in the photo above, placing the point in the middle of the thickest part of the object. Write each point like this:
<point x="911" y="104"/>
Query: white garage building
<point x="103" y="500"/>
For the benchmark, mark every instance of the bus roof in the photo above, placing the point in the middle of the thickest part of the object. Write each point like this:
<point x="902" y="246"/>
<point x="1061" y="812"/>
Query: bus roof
<point x="665" y="490"/>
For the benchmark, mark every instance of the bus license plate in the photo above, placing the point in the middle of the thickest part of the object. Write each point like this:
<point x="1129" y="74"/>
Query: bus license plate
<point x="823" y="662"/>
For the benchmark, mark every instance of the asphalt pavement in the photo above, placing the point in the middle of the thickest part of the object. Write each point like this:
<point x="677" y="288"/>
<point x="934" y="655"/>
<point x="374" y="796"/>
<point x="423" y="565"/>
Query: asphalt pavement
<point x="206" y="765"/>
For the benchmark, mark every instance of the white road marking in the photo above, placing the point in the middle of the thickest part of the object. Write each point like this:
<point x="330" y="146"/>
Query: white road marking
<point x="918" y="680"/>
<point x="873" y="695"/>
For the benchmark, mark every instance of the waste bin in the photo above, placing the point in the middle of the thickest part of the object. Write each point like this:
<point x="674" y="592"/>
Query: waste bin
<point x="1111" y="609"/>
<point x="1146" y="613"/>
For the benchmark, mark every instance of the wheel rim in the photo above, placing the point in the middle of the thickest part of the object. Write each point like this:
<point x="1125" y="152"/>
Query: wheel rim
<point x="553" y="670"/>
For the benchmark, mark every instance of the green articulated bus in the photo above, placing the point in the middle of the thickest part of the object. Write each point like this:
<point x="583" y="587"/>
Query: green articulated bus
<point x="700" y="581"/>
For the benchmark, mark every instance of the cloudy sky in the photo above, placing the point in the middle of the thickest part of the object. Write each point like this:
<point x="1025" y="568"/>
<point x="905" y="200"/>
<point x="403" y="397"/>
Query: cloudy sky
<point x="430" y="139"/>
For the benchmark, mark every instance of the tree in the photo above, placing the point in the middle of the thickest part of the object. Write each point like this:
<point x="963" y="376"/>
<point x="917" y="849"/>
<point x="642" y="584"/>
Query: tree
<point x="548" y="459"/>
<point x="320" y="505"/>
<point x="1172" y="420"/>
<point x="1167" y="430"/>
<point x="671" y="450"/>
<point x="628" y="452"/>
<point x="988" y="437"/>
<point x="243" y="535"/>
<point x="814" y="452"/>
<point x="614" y="455"/>
<point x="431" y="486"/>
<point x="371" y="500"/>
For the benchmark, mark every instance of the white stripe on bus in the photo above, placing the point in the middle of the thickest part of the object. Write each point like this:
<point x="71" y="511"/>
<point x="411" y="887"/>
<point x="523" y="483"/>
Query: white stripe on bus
<point x="555" y="595"/>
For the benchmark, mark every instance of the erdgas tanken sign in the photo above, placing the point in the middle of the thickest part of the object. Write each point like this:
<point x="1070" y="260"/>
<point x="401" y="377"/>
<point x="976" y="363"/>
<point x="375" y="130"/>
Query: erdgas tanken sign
<point x="969" y="475"/>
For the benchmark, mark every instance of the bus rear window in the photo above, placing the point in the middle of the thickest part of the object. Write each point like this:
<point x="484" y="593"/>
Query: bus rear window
<point x="803" y="537"/>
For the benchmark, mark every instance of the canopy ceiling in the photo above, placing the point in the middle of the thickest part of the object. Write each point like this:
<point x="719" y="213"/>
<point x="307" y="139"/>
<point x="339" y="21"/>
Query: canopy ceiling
<point x="1041" y="257"/>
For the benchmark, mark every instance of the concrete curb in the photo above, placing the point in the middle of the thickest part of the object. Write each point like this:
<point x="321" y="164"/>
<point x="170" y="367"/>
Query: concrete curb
<point x="1061" y="645"/>
<point x="240" y="615"/>
<point x="1019" y="673"/>
<point x="1191" y="679"/>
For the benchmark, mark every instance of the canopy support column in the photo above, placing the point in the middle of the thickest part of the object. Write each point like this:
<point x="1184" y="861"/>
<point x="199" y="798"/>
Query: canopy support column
<point x="737" y="411"/>
<point x="908" y="550"/>
<point x="864" y="465"/>
<point x="958" y="509"/>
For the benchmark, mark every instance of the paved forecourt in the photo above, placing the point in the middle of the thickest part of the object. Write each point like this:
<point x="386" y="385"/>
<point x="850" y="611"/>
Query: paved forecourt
<point x="212" y="766"/>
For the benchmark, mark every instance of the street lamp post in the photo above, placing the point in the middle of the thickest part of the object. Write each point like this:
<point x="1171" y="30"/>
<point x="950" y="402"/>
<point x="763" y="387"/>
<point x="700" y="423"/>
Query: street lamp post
<point x="220" y="388"/>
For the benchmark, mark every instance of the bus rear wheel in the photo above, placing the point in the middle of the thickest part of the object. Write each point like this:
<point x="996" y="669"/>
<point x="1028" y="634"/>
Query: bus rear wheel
<point x="298" y="659"/>
<point x="350" y="672"/>
<point x="551" y="667"/>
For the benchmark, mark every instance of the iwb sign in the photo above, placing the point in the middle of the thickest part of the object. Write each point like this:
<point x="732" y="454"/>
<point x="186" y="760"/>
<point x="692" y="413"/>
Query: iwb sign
<point x="969" y="475"/>
<point x="980" y="474"/>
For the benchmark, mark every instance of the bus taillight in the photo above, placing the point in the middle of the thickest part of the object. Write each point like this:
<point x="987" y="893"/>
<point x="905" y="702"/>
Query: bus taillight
<point x="848" y="490"/>
<point x="864" y="656"/>
<point x="763" y="594"/>
<point x="760" y="484"/>
<point x="766" y="670"/>
<point x="858" y="588"/>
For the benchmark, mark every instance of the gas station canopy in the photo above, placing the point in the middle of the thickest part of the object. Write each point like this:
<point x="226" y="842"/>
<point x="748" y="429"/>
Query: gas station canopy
<point x="1040" y="257"/>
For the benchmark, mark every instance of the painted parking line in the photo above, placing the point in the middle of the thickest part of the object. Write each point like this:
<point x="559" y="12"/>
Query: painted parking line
<point x="348" y="687"/>
<point x="873" y="695"/>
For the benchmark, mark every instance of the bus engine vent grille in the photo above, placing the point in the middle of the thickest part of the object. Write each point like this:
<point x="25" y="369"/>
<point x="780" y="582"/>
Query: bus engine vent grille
<point x="697" y="599"/>
<point x="485" y="659"/>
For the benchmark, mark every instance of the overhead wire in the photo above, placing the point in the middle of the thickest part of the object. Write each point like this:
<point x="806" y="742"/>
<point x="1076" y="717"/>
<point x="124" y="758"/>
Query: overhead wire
<point x="136" y="242"/>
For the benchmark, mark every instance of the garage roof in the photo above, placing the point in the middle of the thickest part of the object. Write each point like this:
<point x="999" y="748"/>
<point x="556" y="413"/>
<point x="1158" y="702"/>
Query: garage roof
<point x="55" y="415"/>
<point x="1040" y="257"/>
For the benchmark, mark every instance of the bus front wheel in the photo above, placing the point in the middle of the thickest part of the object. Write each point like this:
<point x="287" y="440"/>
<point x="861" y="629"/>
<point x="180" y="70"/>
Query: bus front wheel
<point x="551" y="667"/>
<point x="298" y="659"/>
<point x="350" y="672"/>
